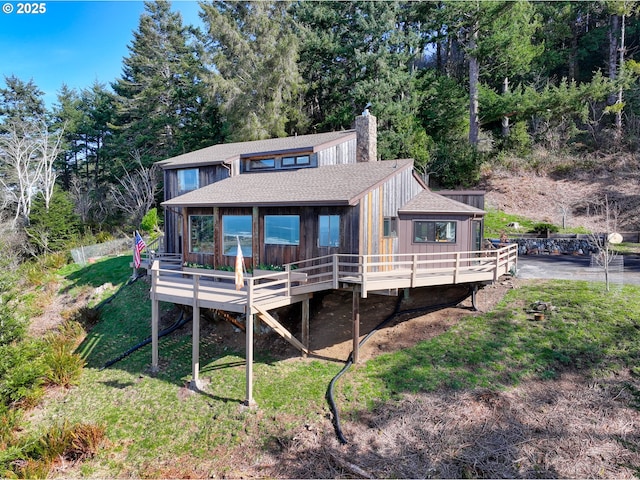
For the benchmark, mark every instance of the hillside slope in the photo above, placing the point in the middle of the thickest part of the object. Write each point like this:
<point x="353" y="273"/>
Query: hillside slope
<point x="568" y="188"/>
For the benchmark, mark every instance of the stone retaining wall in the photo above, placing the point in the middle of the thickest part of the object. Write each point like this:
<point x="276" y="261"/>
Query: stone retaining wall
<point x="553" y="246"/>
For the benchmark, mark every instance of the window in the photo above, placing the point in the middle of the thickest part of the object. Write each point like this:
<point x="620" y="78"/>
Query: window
<point x="329" y="231"/>
<point x="263" y="164"/>
<point x="432" y="231"/>
<point x="390" y="228"/>
<point x="201" y="233"/>
<point x="282" y="229"/>
<point x="294" y="161"/>
<point x="187" y="180"/>
<point x="236" y="227"/>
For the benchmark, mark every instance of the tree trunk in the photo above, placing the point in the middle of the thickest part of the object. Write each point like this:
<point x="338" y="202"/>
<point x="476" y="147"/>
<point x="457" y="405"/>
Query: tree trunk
<point x="506" y="130"/>
<point x="613" y="53"/>
<point x="620" y="67"/>
<point x="474" y="74"/>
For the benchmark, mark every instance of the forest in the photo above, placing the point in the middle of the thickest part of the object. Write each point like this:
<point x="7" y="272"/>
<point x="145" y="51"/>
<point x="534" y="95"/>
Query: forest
<point x="454" y="85"/>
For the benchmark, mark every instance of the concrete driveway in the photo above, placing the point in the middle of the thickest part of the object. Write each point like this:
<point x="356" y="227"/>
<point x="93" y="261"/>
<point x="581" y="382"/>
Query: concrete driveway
<point x="576" y="267"/>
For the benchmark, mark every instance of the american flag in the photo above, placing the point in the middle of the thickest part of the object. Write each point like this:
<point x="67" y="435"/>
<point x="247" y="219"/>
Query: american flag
<point x="137" y="249"/>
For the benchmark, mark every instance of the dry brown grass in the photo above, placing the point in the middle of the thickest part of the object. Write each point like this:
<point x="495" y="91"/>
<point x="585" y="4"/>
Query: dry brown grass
<point x="567" y="428"/>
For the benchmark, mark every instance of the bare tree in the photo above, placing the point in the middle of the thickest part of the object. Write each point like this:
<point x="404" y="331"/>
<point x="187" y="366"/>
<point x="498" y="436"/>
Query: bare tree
<point x="28" y="149"/>
<point x="81" y="198"/>
<point x="608" y="212"/>
<point x="136" y="191"/>
<point x="19" y="150"/>
<point x="50" y="143"/>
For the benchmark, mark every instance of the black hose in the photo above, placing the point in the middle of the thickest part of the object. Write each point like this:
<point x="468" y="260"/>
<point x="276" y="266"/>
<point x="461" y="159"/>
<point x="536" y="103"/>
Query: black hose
<point x="181" y="321"/>
<point x="349" y="362"/>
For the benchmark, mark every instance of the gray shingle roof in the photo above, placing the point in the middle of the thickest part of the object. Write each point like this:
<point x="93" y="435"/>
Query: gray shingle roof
<point x="328" y="185"/>
<point x="226" y="152"/>
<point x="430" y="202"/>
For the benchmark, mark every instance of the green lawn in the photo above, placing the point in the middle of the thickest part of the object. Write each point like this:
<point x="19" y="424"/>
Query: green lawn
<point x="151" y="419"/>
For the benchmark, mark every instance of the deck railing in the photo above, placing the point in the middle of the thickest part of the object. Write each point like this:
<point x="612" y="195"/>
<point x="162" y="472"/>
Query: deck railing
<point x="369" y="272"/>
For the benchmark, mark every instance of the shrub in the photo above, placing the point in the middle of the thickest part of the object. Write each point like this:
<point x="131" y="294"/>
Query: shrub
<point x="22" y="372"/>
<point x="52" y="229"/>
<point x="543" y="228"/>
<point x="63" y="367"/>
<point x="9" y="421"/>
<point x="456" y="164"/>
<point x="150" y="222"/>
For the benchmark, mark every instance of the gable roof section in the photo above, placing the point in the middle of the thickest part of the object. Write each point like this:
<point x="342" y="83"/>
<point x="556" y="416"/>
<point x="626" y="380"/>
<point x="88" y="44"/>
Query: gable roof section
<point x="328" y="185"/>
<point x="227" y="152"/>
<point x="430" y="202"/>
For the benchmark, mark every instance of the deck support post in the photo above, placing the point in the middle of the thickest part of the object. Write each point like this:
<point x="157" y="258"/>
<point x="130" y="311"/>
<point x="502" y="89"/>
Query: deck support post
<point x="249" y="402"/>
<point x="195" y="338"/>
<point x="474" y="299"/>
<point x="305" y="325"/>
<point x="154" y="334"/>
<point x="355" y="316"/>
<point x="155" y="316"/>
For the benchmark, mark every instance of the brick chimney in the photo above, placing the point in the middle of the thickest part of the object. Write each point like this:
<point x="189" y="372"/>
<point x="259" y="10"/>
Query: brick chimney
<point x="366" y="138"/>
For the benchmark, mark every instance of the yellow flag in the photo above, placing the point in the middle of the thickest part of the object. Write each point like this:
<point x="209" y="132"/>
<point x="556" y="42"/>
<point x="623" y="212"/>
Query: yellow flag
<point x="239" y="267"/>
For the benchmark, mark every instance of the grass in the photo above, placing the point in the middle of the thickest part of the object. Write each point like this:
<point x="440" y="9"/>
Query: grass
<point x="591" y="331"/>
<point x="496" y="221"/>
<point x="152" y="420"/>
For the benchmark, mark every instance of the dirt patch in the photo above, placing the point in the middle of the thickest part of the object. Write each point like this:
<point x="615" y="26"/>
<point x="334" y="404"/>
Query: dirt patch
<point x="331" y="323"/>
<point x="568" y="428"/>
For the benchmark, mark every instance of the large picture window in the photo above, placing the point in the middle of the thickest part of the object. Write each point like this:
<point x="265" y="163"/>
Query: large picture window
<point x="329" y="231"/>
<point x="201" y="233"/>
<point x="282" y="229"/>
<point x="188" y="180"/>
<point x="434" y="231"/>
<point x="236" y="227"/>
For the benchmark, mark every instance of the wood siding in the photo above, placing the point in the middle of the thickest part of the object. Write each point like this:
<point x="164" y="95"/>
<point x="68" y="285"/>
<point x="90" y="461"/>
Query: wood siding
<point x="464" y="241"/>
<point x="276" y="254"/>
<point x="173" y="223"/>
<point x="385" y="201"/>
<point x="338" y="154"/>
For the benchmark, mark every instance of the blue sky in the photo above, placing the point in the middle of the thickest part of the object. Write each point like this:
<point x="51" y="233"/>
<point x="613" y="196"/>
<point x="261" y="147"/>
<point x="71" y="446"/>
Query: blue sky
<point x="72" y="42"/>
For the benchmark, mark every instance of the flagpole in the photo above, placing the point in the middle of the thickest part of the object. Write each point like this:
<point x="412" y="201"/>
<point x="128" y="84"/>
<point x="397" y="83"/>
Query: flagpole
<point x="133" y="274"/>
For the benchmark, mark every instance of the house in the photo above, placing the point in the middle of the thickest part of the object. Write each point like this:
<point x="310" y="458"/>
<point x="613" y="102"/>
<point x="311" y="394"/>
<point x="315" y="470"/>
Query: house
<point x="307" y="196"/>
<point x="324" y="210"/>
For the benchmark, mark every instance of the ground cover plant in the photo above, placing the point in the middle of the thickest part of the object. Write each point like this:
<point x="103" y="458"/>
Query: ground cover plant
<point x="156" y="427"/>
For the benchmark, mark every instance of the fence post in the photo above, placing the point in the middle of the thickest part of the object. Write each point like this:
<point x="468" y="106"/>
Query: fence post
<point x="414" y="270"/>
<point x="457" y="266"/>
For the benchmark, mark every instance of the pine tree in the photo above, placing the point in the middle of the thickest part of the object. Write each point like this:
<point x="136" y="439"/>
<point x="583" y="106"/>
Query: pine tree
<point x="161" y="98"/>
<point x="254" y="48"/>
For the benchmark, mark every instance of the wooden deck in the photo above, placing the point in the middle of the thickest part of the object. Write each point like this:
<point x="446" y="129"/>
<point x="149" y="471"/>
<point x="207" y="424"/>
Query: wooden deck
<point x="264" y="291"/>
<point x="371" y="273"/>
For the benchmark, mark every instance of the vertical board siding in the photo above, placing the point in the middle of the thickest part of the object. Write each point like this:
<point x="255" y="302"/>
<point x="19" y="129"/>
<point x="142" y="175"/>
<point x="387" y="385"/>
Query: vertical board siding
<point x="278" y="254"/>
<point x="199" y="258"/>
<point x="463" y="234"/>
<point x="172" y="222"/>
<point x="338" y="154"/>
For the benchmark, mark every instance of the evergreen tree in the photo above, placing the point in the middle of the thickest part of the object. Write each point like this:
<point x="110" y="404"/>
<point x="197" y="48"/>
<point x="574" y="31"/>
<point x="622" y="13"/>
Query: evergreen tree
<point x="161" y="98"/>
<point x="21" y="101"/>
<point x="354" y="53"/>
<point x="253" y="47"/>
<point x="51" y="229"/>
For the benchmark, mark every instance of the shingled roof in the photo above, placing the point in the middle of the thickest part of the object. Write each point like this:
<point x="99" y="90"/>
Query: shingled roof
<point x="430" y="202"/>
<point x="328" y="185"/>
<point x="227" y="152"/>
